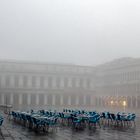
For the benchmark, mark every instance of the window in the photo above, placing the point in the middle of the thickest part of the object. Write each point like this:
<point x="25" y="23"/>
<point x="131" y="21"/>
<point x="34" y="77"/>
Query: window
<point x="50" y="82"/>
<point x="33" y="81"/>
<point x="25" y="80"/>
<point x="65" y="82"/>
<point x="7" y="81"/>
<point x="42" y="82"/>
<point x="73" y="82"/>
<point x="58" y="82"/>
<point x="16" y="80"/>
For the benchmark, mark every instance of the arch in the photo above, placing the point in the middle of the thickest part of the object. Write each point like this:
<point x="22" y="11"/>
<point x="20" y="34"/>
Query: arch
<point x="138" y="102"/>
<point x="133" y="102"/>
<point x="128" y="101"/>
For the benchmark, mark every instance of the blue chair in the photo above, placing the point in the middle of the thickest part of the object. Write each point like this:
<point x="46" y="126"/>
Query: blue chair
<point x="51" y="123"/>
<point x="130" y="118"/>
<point x="1" y="120"/>
<point x="77" y="122"/>
<point x="37" y="124"/>
<point x="93" y="120"/>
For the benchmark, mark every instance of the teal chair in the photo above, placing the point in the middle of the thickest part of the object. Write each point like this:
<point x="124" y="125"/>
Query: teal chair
<point x="1" y="120"/>
<point x="93" y="120"/>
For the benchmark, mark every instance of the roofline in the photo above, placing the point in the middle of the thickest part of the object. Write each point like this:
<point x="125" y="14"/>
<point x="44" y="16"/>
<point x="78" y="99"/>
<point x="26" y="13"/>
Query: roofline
<point x="40" y="63"/>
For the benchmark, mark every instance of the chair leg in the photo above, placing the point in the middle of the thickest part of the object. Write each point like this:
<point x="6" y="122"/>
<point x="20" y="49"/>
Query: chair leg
<point x="99" y="124"/>
<point x="134" y="123"/>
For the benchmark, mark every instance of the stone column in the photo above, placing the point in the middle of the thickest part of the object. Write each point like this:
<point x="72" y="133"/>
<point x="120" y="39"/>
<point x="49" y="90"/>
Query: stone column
<point x="29" y="99"/>
<point x="136" y="102"/>
<point x="96" y="101"/>
<point x="77" y="100"/>
<point x="45" y="99"/>
<point x="3" y="81"/>
<point x="12" y="81"/>
<point x="69" y="100"/>
<point x="29" y="81"/>
<point x="54" y="82"/>
<point x="37" y="99"/>
<point x="62" y="83"/>
<point x="131" y="102"/>
<point x="91" y="84"/>
<point x="11" y="98"/>
<point x="38" y="82"/>
<point x="84" y="99"/>
<point x="46" y="82"/>
<point x="20" y="99"/>
<point x="53" y="99"/>
<point x="91" y="99"/>
<point x="101" y="103"/>
<point x="2" y="98"/>
<point x="61" y="99"/>
<point x="69" y="82"/>
<point x="20" y="81"/>
<point x="84" y="83"/>
<point x="77" y="82"/>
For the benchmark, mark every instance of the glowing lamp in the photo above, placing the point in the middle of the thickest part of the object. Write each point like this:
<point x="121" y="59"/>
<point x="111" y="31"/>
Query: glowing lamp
<point x="124" y="103"/>
<point x="111" y="102"/>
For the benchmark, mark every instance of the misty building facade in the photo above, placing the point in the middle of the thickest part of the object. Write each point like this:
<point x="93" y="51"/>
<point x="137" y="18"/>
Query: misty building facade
<point x="118" y="83"/>
<point x="29" y="84"/>
<point x="35" y="85"/>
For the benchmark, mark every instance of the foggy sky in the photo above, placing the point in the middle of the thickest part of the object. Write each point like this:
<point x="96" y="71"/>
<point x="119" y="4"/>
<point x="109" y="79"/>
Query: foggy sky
<point x="86" y="32"/>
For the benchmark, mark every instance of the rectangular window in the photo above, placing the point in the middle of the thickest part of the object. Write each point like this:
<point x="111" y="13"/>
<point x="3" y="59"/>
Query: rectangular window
<point x="58" y="82"/>
<point x="3" y="81"/>
<point x="7" y="81"/>
<point x="41" y="99"/>
<point x="73" y="82"/>
<point x="65" y="82"/>
<point x="57" y="101"/>
<point x="33" y="99"/>
<point x="16" y="80"/>
<point x="50" y="82"/>
<point x="42" y="82"/>
<point x="25" y="80"/>
<point x="33" y="81"/>
<point x="24" y="99"/>
<point x="49" y="99"/>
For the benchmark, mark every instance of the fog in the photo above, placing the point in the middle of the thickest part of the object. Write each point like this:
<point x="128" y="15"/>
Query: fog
<point x="86" y="32"/>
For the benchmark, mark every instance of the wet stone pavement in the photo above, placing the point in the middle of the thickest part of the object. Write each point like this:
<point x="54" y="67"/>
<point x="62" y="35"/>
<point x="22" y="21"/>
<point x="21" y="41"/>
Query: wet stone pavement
<point x="13" y="131"/>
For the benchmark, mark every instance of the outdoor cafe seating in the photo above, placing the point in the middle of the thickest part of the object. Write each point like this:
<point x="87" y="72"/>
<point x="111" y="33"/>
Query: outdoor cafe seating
<point x="46" y="120"/>
<point x="120" y="118"/>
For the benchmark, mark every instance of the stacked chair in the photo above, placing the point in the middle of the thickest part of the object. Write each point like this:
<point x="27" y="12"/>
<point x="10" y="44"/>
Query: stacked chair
<point x="37" y="121"/>
<point x="118" y="119"/>
<point x="45" y="121"/>
<point x="1" y="120"/>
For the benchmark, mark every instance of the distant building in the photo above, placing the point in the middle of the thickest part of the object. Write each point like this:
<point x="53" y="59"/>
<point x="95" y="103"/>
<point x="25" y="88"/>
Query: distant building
<point x="118" y="83"/>
<point x="25" y="84"/>
<point x="30" y="84"/>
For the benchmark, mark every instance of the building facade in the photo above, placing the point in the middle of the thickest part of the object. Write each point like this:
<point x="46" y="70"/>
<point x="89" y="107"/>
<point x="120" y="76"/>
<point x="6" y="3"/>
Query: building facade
<point x="118" y="83"/>
<point x="36" y="85"/>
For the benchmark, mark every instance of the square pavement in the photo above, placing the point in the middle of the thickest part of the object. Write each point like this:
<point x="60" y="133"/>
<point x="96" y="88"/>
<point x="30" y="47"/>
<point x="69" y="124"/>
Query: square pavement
<point x="13" y="131"/>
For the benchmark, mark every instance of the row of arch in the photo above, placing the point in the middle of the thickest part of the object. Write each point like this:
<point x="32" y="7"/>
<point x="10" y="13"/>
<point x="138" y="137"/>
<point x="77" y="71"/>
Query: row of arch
<point x="77" y="100"/>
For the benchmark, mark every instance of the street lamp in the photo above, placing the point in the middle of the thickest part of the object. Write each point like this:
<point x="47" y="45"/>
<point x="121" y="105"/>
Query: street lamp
<point x="124" y="105"/>
<point x="111" y="104"/>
